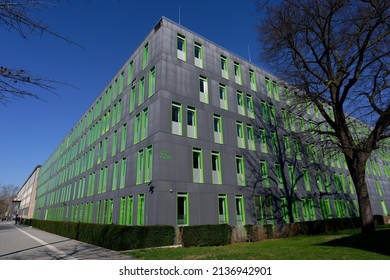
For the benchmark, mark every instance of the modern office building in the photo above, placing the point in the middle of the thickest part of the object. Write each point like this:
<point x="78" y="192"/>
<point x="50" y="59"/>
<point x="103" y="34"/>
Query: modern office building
<point x="26" y="195"/>
<point x="188" y="133"/>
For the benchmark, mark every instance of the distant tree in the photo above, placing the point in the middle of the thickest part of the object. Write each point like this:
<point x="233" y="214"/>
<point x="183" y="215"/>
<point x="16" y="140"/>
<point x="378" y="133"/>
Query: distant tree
<point x="18" y="16"/>
<point x="336" y="54"/>
<point x="7" y="193"/>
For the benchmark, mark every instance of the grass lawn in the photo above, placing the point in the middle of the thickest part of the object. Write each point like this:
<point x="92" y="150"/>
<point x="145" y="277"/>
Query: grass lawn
<point x="343" y="245"/>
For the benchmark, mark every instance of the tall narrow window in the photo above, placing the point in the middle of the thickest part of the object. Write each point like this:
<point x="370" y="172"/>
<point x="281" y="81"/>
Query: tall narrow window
<point x="140" y="167"/>
<point x="141" y="210"/>
<point x="218" y="136"/>
<point x="306" y="179"/>
<point x="263" y="140"/>
<point x="275" y="90"/>
<point x="203" y="90"/>
<point x="274" y="142"/>
<point x="252" y="80"/>
<point x="137" y="128"/>
<point x="130" y="70"/>
<point x="145" y="58"/>
<point x="223" y="100"/>
<point x="198" y="55"/>
<point x="152" y="81"/>
<point x="223" y="216"/>
<point x="191" y="122"/>
<point x="268" y="87"/>
<point x="279" y="175"/>
<point x="249" y="106"/>
<point x="114" y="143"/>
<point x="378" y="187"/>
<point x="197" y="165"/>
<point x="287" y="146"/>
<point x="122" y="181"/>
<point x="181" y="47"/>
<point x="251" y="137"/>
<point x="149" y="164"/>
<point x="240" y="103"/>
<point x="319" y="180"/>
<point x="224" y="67"/>
<point x="132" y="99"/>
<point x="264" y="111"/>
<point x="240" y="170"/>
<point x="237" y="73"/>
<point x="122" y="211"/>
<point x="121" y="82"/>
<point x="141" y="91"/>
<point x="182" y="209"/>
<point x="123" y="138"/>
<point x="129" y="211"/>
<point x="240" y="210"/>
<point x="114" y="176"/>
<point x="384" y="208"/>
<point x="291" y="175"/>
<point x="176" y="119"/>
<point x="145" y="124"/>
<point x="216" y="168"/>
<point x="264" y="173"/>
<point x="240" y="135"/>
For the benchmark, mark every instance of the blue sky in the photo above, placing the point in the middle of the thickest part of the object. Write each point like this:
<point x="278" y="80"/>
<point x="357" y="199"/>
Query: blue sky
<point x="109" y="32"/>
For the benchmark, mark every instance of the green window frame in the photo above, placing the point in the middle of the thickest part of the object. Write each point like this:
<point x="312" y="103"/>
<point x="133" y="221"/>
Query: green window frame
<point x="224" y="67"/>
<point x="249" y="106"/>
<point x="240" y="134"/>
<point x="218" y="134"/>
<point x="122" y="181"/>
<point x="264" y="111"/>
<point x="203" y="89"/>
<point x="105" y="149"/>
<point x="198" y="55"/>
<point x="268" y="87"/>
<point x="130" y="72"/>
<point x="291" y="121"/>
<point x="287" y="146"/>
<point x="240" y="210"/>
<point x="297" y="150"/>
<point x="279" y="175"/>
<point x="132" y="99"/>
<point x="145" y="57"/>
<point x="263" y="140"/>
<point x="272" y="114"/>
<point x="275" y="90"/>
<point x="351" y="185"/>
<point x="240" y="170"/>
<point x="287" y="95"/>
<point x="252" y="80"/>
<point x="237" y="73"/>
<point x="121" y="82"/>
<point x="264" y="173"/>
<point x="141" y="91"/>
<point x="145" y="124"/>
<point x="274" y="142"/>
<point x="140" y="167"/>
<point x="182" y="209"/>
<point x="306" y="179"/>
<point x="149" y="164"/>
<point x="240" y="103"/>
<point x="223" y="212"/>
<point x="378" y="187"/>
<point x="191" y="122"/>
<point x="114" y="176"/>
<point x="137" y="128"/>
<point x="250" y="137"/>
<point x="284" y="209"/>
<point x="318" y="178"/>
<point x="223" y="100"/>
<point x="292" y="177"/>
<point x="114" y="143"/>
<point x="216" y="168"/>
<point x="176" y="118"/>
<point x="181" y="46"/>
<point x="384" y="208"/>
<point x="152" y="81"/>
<point x="141" y="210"/>
<point x="129" y="211"/>
<point x="123" y="137"/>
<point x="197" y="165"/>
<point x="122" y="210"/>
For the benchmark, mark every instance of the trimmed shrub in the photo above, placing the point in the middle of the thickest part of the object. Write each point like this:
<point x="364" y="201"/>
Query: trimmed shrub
<point x="206" y="235"/>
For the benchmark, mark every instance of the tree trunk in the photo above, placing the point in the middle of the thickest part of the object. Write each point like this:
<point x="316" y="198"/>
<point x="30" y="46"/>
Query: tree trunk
<point x="358" y="175"/>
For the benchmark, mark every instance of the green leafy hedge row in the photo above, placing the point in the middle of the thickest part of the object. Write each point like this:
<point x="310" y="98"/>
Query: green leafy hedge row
<point x="206" y="235"/>
<point x="115" y="237"/>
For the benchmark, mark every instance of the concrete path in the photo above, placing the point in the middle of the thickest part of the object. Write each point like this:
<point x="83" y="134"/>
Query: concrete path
<point x="19" y="242"/>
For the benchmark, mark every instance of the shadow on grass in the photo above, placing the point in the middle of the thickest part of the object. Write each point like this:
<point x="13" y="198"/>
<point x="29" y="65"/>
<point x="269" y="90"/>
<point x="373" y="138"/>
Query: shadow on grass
<point x="379" y="242"/>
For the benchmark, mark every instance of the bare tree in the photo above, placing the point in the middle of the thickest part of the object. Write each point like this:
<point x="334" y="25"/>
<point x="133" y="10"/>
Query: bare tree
<point x="18" y="16"/>
<point x="336" y="54"/>
<point x="7" y="193"/>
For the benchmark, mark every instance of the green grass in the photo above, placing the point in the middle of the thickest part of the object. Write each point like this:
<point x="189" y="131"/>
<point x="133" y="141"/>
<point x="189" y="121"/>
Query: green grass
<point x="343" y="245"/>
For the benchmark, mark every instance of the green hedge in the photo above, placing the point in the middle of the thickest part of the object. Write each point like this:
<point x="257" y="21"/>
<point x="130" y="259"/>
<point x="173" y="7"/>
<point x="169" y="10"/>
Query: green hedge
<point x="115" y="237"/>
<point x="206" y="235"/>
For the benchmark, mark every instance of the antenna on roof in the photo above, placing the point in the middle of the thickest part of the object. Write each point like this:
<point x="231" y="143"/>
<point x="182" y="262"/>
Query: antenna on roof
<point x="249" y="54"/>
<point x="179" y="14"/>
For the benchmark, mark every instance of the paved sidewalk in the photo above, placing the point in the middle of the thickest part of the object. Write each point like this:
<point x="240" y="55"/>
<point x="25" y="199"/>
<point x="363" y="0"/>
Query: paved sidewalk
<point x="19" y="242"/>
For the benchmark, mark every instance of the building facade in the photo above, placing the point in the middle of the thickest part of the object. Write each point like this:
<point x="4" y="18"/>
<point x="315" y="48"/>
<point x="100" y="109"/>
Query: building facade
<point x="188" y="133"/>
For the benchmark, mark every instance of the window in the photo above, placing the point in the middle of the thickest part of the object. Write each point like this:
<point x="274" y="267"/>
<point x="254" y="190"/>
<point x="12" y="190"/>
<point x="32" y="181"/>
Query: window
<point x="275" y="89"/>
<point x="114" y="142"/>
<point x="272" y="114"/>
<point x="182" y="209"/>
<point x="218" y="136"/>
<point x="287" y="147"/>
<point x="297" y="149"/>
<point x="203" y="90"/>
<point x="279" y="175"/>
<point x="240" y="210"/>
<point x="249" y="106"/>
<point x="197" y="165"/>
<point x="240" y="103"/>
<point x="268" y="87"/>
<point x="252" y="80"/>
<point x="337" y="182"/>
<point x="216" y="168"/>
<point x="319" y="180"/>
<point x="114" y="176"/>
<point x="264" y="111"/>
<point x="137" y="128"/>
<point x="351" y="185"/>
<point x="223" y="216"/>
<point x="191" y="122"/>
<point x="129" y="211"/>
<point x="122" y="210"/>
<point x="263" y="140"/>
<point x="121" y="81"/>
<point x="152" y="81"/>
<point x="181" y="47"/>
<point x="291" y="175"/>
<point x="384" y="208"/>
<point x="237" y="73"/>
<point x="306" y="179"/>
<point x="240" y="135"/>
<point x="176" y="119"/>
<point x="145" y="124"/>
<point x="132" y="99"/>
<point x="149" y="164"/>
<point x="141" y="210"/>
<point x="130" y="70"/>
<point x="123" y="138"/>
<point x="141" y="91"/>
<point x="251" y="137"/>
<point x="223" y="100"/>
<point x="378" y="187"/>
<point x="240" y="171"/>
<point x="264" y="173"/>
<point x="140" y="167"/>
<point x="274" y="141"/>
<point x="198" y="55"/>
<point x="122" y="181"/>
<point x="145" y="58"/>
<point x="287" y="95"/>
<point x="224" y="67"/>
<point x="291" y="120"/>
